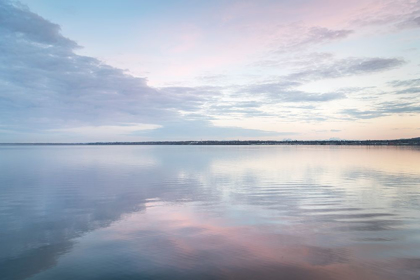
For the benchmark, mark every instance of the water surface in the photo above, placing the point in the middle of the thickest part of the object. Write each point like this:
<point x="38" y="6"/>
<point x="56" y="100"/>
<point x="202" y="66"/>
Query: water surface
<point x="209" y="212"/>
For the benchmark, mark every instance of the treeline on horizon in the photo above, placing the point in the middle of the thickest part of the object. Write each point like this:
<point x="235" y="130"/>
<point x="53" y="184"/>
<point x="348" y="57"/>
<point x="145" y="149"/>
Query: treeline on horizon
<point x="396" y="142"/>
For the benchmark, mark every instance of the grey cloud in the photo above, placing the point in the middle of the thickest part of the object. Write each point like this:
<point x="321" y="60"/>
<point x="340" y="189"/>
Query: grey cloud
<point x="282" y="91"/>
<point x="202" y="129"/>
<point x="383" y="109"/>
<point x="236" y="106"/>
<point x="311" y="36"/>
<point x="361" y="114"/>
<point x="321" y="34"/>
<point x="238" y="109"/>
<point x="347" y="67"/>
<point x="19" y="20"/>
<point x="405" y="83"/>
<point x="45" y="84"/>
<point x="317" y="66"/>
<point x="300" y="96"/>
<point x="391" y="108"/>
<point x="409" y="90"/>
<point x="271" y="87"/>
<point x="397" y="14"/>
<point x="411" y="20"/>
<point x="287" y="105"/>
<point x="296" y="60"/>
<point x="188" y="98"/>
<point x="304" y="107"/>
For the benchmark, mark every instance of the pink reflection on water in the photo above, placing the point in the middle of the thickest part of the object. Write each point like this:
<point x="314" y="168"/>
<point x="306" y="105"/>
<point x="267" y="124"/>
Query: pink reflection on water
<point x="196" y="241"/>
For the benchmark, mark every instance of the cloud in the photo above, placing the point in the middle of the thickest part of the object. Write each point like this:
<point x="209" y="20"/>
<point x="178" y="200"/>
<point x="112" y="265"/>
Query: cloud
<point x="277" y="95"/>
<point x="17" y="19"/>
<point x="383" y="109"/>
<point x="395" y="14"/>
<point x="105" y="130"/>
<point x="402" y="108"/>
<point x="411" y="86"/>
<point x="413" y="22"/>
<point x="405" y="83"/>
<point x="346" y="67"/>
<point x="284" y="89"/>
<point x="270" y="87"/>
<point x="237" y="109"/>
<point x="318" y="66"/>
<point x="313" y="58"/>
<point x="213" y="78"/>
<point x="44" y="83"/>
<point x="300" y="96"/>
<point x="46" y="87"/>
<point x="202" y="129"/>
<point x="298" y="37"/>
<point x="409" y="90"/>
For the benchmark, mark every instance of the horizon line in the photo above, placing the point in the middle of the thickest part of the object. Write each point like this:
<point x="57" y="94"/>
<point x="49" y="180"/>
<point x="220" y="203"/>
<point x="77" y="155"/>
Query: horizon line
<point x="411" y="141"/>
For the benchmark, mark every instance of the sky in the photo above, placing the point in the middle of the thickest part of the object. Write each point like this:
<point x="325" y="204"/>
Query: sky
<point x="133" y="70"/>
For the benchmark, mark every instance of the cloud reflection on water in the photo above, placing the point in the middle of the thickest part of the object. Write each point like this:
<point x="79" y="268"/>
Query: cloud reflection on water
<point x="301" y="212"/>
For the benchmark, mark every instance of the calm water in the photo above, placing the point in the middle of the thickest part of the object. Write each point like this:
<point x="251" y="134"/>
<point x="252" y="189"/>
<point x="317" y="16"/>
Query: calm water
<point x="191" y="212"/>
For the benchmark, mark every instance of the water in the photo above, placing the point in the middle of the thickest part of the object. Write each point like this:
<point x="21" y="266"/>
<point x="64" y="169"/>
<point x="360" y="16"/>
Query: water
<point x="209" y="212"/>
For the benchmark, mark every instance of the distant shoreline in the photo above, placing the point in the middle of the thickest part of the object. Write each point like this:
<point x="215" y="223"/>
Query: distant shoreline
<point x="397" y="142"/>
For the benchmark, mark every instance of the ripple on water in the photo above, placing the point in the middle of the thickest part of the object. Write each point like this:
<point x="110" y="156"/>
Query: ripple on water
<point x="171" y="212"/>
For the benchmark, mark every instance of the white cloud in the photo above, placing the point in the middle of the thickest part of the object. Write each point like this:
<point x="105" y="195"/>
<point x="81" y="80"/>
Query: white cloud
<point x="105" y="130"/>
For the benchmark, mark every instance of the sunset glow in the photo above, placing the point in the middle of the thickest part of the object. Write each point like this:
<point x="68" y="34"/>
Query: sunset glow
<point x="130" y="70"/>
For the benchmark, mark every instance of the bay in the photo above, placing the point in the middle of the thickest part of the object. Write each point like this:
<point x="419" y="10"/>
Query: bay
<point x="209" y="212"/>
